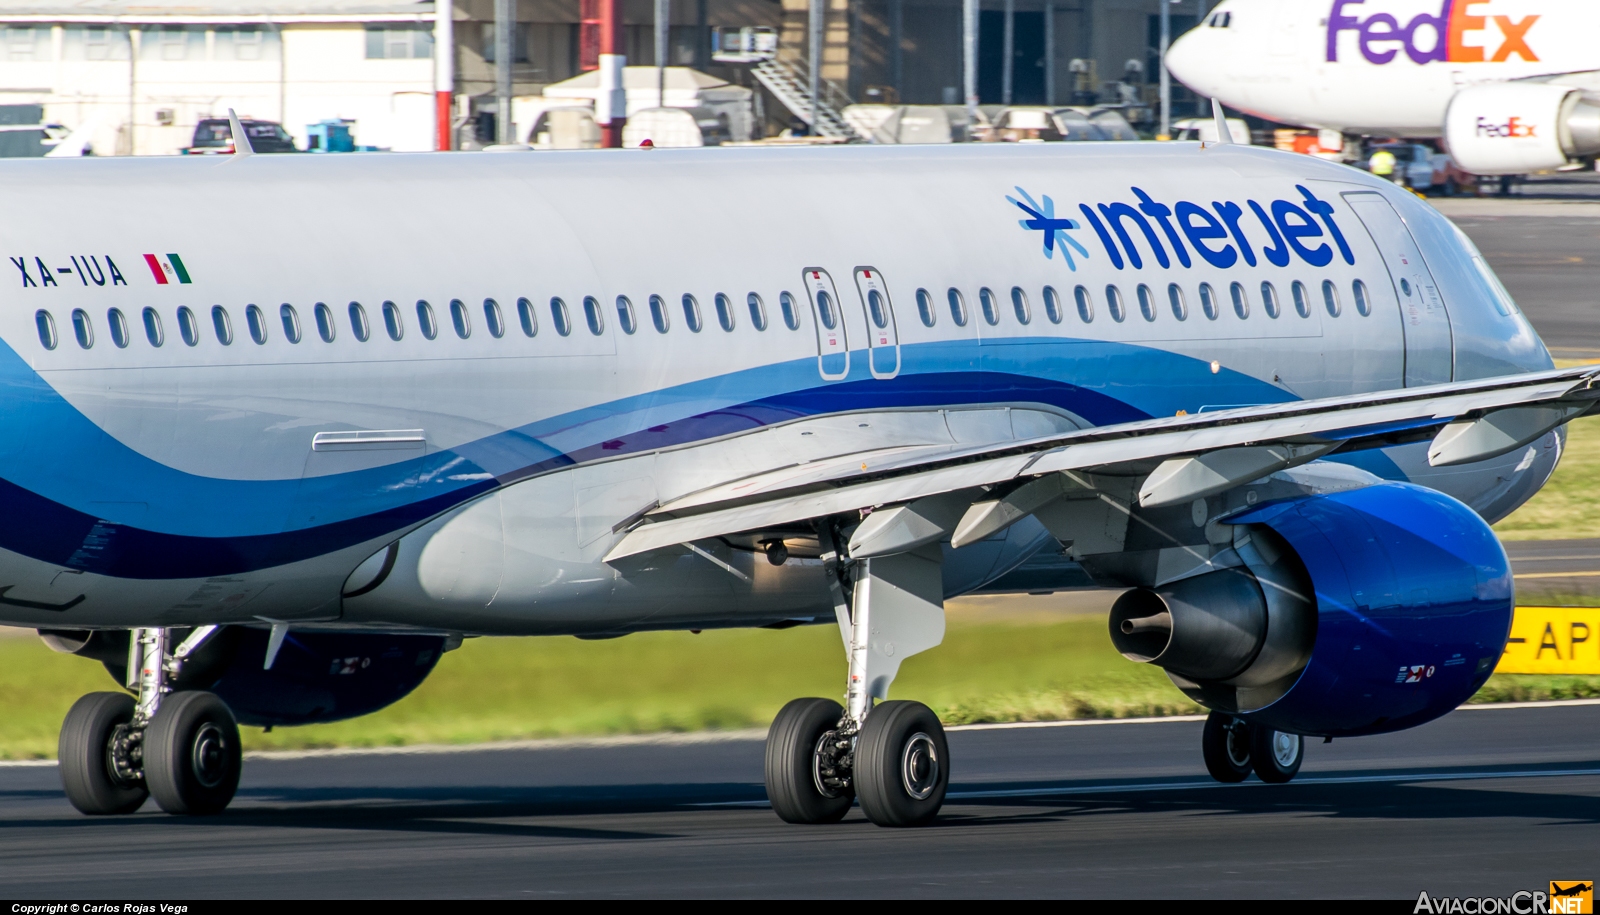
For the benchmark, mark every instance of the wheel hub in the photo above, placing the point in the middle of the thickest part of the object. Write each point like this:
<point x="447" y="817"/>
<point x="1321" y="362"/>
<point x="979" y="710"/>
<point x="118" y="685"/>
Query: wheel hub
<point x="209" y="755"/>
<point x="919" y="766"/>
<point x="1238" y="743"/>
<point x="832" y="762"/>
<point x="125" y="756"/>
<point x="1284" y="748"/>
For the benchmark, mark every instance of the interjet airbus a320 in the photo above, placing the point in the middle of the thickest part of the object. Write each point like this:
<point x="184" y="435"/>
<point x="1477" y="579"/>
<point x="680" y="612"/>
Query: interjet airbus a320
<point x="266" y="469"/>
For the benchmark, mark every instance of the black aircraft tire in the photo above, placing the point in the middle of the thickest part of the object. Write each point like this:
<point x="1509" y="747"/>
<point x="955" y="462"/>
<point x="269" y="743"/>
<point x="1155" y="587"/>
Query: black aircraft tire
<point x="791" y="763"/>
<point x="1276" y="755"/>
<point x="902" y="766"/>
<point x="85" y="758"/>
<point x="191" y="754"/>
<point x="1226" y="746"/>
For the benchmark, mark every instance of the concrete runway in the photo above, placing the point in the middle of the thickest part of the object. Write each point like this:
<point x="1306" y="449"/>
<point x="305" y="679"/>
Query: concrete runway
<point x="1487" y="801"/>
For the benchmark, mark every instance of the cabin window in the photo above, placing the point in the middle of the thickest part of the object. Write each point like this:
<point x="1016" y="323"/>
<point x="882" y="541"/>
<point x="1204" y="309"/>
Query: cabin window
<point x="492" y="319"/>
<point x="830" y="318"/>
<point x="878" y="309"/>
<point x="658" y="314"/>
<point x="991" y="310"/>
<point x="358" y="322"/>
<point x="1241" y="302"/>
<point x="1019" y="304"/>
<point x="82" y="328"/>
<point x="256" y="322"/>
<point x="758" y="312"/>
<point x="1363" y="302"/>
<point x="625" y="315"/>
<point x="527" y="318"/>
<point x="791" y="314"/>
<point x="286" y="312"/>
<point x="724" y="308"/>
<point x="425" y="320"/>
<point x="691" y="310"/>
<point x="189" y="325"/>
<point x="1208" y="301"/>
<point x="1180" y="308"/>
<point x="460" y="319"/>
<point x="324" y="318"/>
<point x="393" y="322"/>
<point x="1330" y="298"/>
<point x="1052" y="305"/>
<point x="222" y="325"/>
<point x="925" y="309"/>
<point x="1147" y="302"/>
<point x="1114" y="304"/>
<point x="1269" y="300"/>
<point x="47" y="328"/>
<point x="119" y="328"/>
<point x="958" y="307"/>
<point x="592" y="315"/>
<point x="558" y="315"/>
<point x="1302" y="299"/>
<point x="1085" y="303"/>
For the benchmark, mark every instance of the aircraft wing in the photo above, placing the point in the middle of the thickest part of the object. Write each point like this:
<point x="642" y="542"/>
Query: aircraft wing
<point x="1180" y="457"/>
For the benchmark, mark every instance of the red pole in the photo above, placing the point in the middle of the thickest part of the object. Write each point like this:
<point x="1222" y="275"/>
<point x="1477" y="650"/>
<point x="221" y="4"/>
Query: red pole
<point x="611" y="102"/>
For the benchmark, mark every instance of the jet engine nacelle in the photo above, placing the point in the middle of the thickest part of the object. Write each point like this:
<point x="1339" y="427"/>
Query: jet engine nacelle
<point x="1516" y="128"/>
<point x="1357" y="612"/>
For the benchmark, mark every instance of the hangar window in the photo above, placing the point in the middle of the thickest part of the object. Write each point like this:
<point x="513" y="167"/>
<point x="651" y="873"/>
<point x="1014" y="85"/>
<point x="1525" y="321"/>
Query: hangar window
<point x="1208" y="301"/>
<point x="425" y="320"/>
<point x="958" y="307"/>
<point x="393" y="322"/>
<point x="1302" y="299"/>
<point x="189" y="326"/>
<point x="791" y="314"/>
<point x="1085" y="303"/>
<point x="724" y="307"/>
<point x="758" y="311"/>
<point x="1019" y="304"/>
<point x="222" y="325"/>
<point x="492" y="319"/>
<point x="658" y="314"/>
<point x="625" y="315"/>
<point x="47" y="328"/>
<point x="592" y="315"/>
<point x="691" y="310"/>
<point x="1052" y="305"/>
<point x="1147" y="302"/>
<point x="1330" y="298"/>
<point x="1363" y="301"/>
<point x="991" y="311"/>
<point x="1180" y="308"/>
<point x="291" y="322"/>
<point x="1241" y="302"/>
<point x="460" y="319"/>
<point x="119" y="328"/>
<point x="256" y="320"/>
<point x="324" y="318"/>
<point x="1114" y="304"/>
<point x="558" y="315"/>
<point x="358" y="322"/>
<point x="1269" y="300"/>
<point x="82" y="328"/>
<point x="527" y="317"/>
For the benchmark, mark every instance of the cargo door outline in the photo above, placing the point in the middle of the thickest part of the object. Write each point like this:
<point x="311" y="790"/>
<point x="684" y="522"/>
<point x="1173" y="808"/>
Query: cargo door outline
<point x="833" y="343"/>
<point x="883" y="334"/>
<point x="1424" y="319"/>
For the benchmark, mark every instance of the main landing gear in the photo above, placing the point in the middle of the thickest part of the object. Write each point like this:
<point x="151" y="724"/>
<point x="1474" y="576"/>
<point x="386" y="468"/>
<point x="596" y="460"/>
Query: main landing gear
<point x="1234" y="747"/>
<point x="180" y="746"/>
<point x="892" y="757"/>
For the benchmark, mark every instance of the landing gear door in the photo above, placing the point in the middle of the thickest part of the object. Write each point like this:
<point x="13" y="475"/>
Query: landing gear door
<point x="833" y="347"/>
<point x="883" y="337"/>
<point x="1430" y="356"/>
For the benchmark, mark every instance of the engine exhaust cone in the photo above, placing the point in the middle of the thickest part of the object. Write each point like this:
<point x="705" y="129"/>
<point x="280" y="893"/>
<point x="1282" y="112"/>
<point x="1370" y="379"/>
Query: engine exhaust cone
<point x="1210" y="627"/>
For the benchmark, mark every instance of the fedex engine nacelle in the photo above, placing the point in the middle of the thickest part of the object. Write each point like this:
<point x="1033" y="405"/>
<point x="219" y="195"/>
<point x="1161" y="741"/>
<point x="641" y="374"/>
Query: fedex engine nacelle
<point x="1517" y="128"/>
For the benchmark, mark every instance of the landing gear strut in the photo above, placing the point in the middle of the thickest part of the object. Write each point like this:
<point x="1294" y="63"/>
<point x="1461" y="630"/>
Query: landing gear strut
<point x="182" y="747"/>
<point x="1233" y="748"/>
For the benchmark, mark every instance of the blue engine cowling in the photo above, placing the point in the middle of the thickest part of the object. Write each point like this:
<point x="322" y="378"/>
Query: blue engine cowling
<point x="1409" y="609"/>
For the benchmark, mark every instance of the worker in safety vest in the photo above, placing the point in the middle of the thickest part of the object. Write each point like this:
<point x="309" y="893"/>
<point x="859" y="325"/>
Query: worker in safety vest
<point x="1382" y="164"/>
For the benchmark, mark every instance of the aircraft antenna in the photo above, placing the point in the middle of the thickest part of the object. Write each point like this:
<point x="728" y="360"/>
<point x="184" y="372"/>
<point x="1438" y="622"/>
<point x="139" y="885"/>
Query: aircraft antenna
<point x="1224" y="135"/>
<point x="241" y="141"/>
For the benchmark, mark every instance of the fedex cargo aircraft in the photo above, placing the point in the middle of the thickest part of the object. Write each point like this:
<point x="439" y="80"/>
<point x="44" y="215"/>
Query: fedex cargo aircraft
<point x="267" y="471"/>
<point x="1513" y="86"/>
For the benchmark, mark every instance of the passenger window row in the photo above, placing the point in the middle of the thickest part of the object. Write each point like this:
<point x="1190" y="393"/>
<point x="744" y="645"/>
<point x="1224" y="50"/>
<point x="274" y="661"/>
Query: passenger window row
<point x="1149" y="304"/>
<point x="327" y="324"/>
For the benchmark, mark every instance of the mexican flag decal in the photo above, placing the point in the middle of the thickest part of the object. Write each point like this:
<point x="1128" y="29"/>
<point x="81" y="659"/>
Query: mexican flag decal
<point x="167" y="269"/>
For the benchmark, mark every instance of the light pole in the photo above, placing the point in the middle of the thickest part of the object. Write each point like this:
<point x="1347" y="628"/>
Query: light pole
<point x="1166" y="79"/>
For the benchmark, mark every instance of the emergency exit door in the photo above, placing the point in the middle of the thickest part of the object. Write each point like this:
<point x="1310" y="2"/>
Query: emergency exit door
<point x="883" y="336"/>
<point x="833" y="346"/>
<point x="1430" y="351"/>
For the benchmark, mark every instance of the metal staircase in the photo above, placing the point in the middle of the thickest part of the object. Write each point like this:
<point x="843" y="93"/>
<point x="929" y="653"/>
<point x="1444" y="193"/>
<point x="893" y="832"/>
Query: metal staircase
<point x="789" y="82"/>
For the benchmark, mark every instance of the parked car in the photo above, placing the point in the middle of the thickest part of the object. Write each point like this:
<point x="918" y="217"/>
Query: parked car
<point x="1420" y="168"/>
<point x="1205" y="130"/>
<point x="214" y="137"/>
<point x="1037" y="123"/>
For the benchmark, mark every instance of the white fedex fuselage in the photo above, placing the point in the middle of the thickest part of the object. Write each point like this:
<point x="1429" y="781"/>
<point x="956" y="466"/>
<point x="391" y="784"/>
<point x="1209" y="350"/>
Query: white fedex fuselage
<point x="225" y="396"/>
<point x="1380" y="67"/>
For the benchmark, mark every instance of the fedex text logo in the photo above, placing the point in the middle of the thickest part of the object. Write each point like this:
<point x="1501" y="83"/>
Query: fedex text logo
<point x="1428" y="37"/>
<point x="1512" y="128"/>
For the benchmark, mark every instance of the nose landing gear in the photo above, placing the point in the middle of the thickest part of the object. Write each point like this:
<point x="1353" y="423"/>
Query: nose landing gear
<point x="1233" y="748"/>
